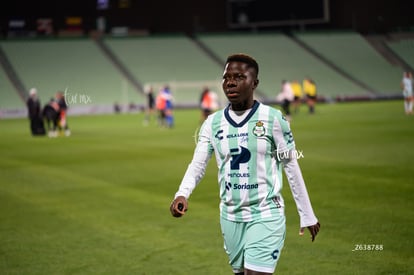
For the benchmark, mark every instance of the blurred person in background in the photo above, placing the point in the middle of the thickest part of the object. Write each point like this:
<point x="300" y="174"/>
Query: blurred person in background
<point x="51" y="116"/>
<point x="117" y="108"/>
<point x="169" y="106"/>
<point x="160" y="104"/>
<point x="297" y="95"/>
<point x="34" y="113"/>
<point x="309" y="88"/>
<point x="63" y="107"/>
<point x="208" y="103"/>
<point x="407" y="87"/>
<point x="164" y="105"/>
<point x="149" y="110"/>
<point x="285" y="97"/>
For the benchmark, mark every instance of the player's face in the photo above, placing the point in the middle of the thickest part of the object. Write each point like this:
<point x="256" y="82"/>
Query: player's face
<point x="239" y="83"/>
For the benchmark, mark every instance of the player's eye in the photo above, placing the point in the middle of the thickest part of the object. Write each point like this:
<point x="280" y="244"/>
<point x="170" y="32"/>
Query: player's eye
<point x="240" y="77"/>
<point x="237" y="77"/>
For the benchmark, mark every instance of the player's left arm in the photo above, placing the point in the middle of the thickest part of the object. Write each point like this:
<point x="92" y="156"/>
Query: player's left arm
<point x="285" y="143"/>
<point x="301" y="197"/>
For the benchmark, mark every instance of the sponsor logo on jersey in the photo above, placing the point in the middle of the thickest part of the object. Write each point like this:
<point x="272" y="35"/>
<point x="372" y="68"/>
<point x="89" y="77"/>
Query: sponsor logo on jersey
<point x="238" y="156"/>
<point x="238" y="175"/>
<point x="289" y="136"/>
<point x="237" y="135"/>
<point x="276" y="200"/>
<point x="246" y="186"/>
<point x="237" y="186"/>
<point x="219" y="135"/>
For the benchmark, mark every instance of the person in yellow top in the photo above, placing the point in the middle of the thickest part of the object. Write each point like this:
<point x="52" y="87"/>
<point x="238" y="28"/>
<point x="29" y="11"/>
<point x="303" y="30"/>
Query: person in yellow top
<point x="297" y="94"/>
<point x="309" y="88"/>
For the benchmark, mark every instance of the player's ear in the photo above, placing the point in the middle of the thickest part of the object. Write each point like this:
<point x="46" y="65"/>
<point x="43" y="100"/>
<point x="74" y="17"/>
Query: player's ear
<point x="255" y="83"/>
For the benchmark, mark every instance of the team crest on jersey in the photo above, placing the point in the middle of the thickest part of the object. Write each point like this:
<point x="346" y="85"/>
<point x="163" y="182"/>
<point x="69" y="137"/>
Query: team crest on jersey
<point x="259" y="130"/>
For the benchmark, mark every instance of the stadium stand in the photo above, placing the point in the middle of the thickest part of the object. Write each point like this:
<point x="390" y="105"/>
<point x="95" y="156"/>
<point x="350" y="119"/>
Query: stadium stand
<point x="74" y="65"/>
<point x="9" y="99"/>
<point x="97" y="73"/>
<point x="12" y="95"/>
<point x="172" y="59"/>
<point x="404" y="48"/>
<point x="353" y="54"/>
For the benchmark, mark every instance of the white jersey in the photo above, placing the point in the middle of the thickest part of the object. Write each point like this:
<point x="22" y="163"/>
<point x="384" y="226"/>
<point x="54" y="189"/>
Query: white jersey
<point x="407" y="87"/>
<point x="249" y="156"/>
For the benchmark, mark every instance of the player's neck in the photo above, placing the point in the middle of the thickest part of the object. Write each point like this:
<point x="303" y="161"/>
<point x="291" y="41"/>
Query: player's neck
<point x="240" y="112"/>
<point x="242" y="107"/>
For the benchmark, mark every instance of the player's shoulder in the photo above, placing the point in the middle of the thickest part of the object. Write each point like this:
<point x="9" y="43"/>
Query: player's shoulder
<point x="214" y="116"/>
<point x="276" y="114"/>
<point x="273" y="111"/>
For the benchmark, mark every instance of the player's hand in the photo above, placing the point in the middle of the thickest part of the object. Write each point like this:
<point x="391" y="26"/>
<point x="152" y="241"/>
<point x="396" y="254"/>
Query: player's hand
<point x="313" y="229"/>
<point x="179" y="206"/>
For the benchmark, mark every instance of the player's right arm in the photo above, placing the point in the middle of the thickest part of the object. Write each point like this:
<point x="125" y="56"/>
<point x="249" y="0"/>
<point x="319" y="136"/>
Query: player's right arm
<point x="194" y="173"/>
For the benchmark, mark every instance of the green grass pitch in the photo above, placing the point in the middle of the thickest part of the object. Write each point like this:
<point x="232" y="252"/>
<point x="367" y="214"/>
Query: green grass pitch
<point x="97" y="202"/>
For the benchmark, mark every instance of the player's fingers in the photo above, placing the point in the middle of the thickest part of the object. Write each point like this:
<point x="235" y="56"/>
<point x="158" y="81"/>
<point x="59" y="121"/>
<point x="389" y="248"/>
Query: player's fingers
<point x="314" y="230"/>
<point x="301" y="231"/>
<point x="313" y="234"/>
<point x="174" y="211"/>
<point x="179" y="206"/>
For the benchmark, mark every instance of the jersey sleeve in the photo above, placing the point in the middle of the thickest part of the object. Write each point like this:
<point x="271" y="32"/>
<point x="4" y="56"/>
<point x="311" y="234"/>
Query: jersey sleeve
<point x="197" y="167"/>
<point x="285" y="152"/>
<point x="299" y="192"/>
<point x="282" y="135"/>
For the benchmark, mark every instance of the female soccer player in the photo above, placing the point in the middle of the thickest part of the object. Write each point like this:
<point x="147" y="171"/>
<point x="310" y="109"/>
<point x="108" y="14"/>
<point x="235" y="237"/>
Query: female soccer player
<point x="251" y="142"/>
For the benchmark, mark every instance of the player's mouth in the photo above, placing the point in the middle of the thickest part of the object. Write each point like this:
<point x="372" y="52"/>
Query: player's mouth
<point x="232" y="94"/>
